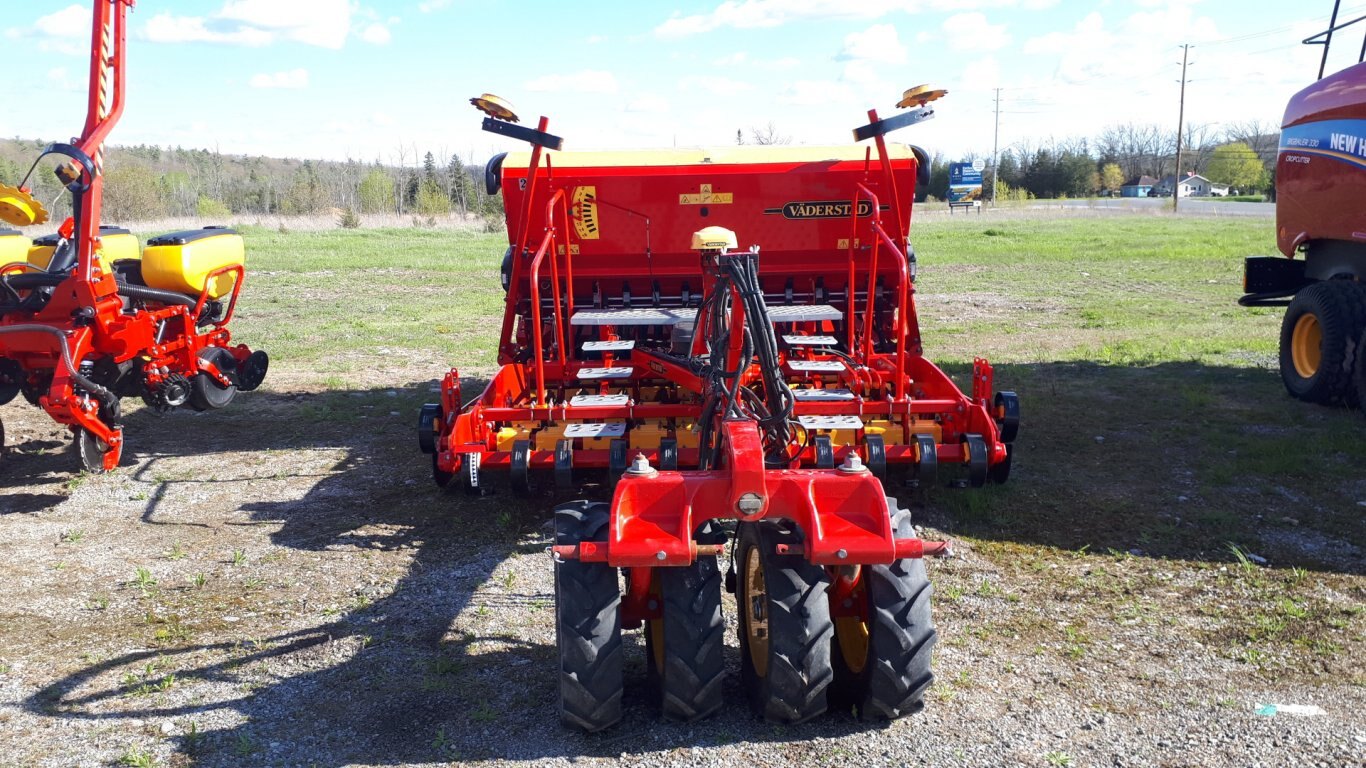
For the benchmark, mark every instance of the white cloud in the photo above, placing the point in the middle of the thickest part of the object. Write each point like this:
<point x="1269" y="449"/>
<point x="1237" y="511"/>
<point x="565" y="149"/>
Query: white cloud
<point x="66" y="31"/>
<point x="583" y="81"/>
<point x="878" y="43"/>
<point x="165" y="28"/>
<point x="752" y="14"/>
<point x="971" y="32"/>
<point x="648" y="105"/>
<point x="291" y="79"/>
<point x="817" y="93"/>
<point x="376" y="34"/>
<point x="714" y="84"/>
<point x="322" y="23"/>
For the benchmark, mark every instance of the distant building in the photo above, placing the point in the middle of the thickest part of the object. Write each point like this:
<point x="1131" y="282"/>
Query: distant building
<point x="1139" y="187"/>
<point x="1193" y="185"/>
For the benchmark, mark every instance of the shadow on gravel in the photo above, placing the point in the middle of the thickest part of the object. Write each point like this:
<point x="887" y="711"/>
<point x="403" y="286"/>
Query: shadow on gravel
<point x="43" y="464"/>
<point x="1168" y="461"/>
<point x="1172" y="460"/>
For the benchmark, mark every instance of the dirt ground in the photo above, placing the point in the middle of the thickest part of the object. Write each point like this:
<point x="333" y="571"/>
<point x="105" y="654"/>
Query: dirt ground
<point x="279" y="583"/>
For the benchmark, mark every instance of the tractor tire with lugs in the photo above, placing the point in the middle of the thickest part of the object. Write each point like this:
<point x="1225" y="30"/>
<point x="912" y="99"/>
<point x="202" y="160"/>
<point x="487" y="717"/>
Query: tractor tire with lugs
<point x="587" y="624"/>
<point x="1319" y="342"/>
<point x="784" y="625"/>
<point x="882" y="666"/>
<point x="684" y="646"/>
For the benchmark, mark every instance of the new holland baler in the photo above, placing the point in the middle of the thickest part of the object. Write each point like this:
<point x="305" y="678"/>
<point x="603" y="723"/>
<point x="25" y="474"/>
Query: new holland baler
<point x="760" y="394"/>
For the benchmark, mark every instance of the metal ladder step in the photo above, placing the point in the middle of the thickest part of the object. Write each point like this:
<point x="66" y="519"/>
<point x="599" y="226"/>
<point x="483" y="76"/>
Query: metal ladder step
<point x="608" y="346"/>
<point x="811" y="341"/>
<point x="589" y="401"/>
<point x="830" y="422"/>
<point x="806" y="395"/>
<point x="595" y="429"/>
<point x="614" y="372"/>
<point x="815" y="366"/>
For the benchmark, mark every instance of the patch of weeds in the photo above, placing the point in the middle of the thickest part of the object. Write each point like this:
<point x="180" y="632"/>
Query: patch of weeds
<point x="143" y="580"/>
<point x="99" y="602"/>
<point x="239" y="557"/>
<point x="193" y="738"/>
<point x="245" y="746"/>
<point x="1057" y="758"/>
<point x="1076" y="642"/>
<point x="73" y="536"/>
<point x="509" y="578"/>
<point x="253" y="582"/>
<point x="440" y="743"/>
<point x="485" y="713"/>
<point x="75" y="481"/>
<point x="176" y="552"/>
<point x="986" y="589"/>
<point x="200" y="580"/>
<point x="137" y="758"/>
<point x="953" y="593"/>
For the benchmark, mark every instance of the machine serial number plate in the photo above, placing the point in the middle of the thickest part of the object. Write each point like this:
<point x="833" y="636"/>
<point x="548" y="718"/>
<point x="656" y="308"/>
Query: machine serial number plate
<point x="611" y="429"/>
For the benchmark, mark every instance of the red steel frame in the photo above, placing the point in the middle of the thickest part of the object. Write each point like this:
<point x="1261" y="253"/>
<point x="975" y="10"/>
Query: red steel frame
<point x="843" y="512"/>
<point x="85" y="316"/>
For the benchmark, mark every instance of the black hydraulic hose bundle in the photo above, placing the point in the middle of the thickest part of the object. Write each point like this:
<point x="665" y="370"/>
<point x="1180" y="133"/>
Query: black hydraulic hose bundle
<point x="773" y="412"/>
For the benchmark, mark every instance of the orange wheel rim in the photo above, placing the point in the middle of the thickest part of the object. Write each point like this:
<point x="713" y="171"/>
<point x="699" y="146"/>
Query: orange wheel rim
<point x="1306" y="346"/>
<point x="756" y="612"/>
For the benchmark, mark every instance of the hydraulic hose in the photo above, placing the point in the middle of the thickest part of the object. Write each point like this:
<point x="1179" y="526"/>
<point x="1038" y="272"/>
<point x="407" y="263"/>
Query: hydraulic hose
<point x="75" y="373"/>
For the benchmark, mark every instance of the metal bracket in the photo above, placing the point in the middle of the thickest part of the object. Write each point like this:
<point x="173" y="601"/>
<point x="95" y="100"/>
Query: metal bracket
<point x="529" y="135"/>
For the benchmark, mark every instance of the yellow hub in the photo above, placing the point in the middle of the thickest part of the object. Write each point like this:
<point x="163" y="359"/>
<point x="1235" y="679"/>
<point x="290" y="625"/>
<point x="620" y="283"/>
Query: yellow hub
<point x="756" y="612"/>
<point x="852" y="634"/>
<point x="1306" y="346"/>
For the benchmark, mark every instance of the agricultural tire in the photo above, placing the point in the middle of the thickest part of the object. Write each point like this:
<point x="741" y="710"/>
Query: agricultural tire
<point x="587" y="624"/>
<point x="784" y="625"/>
<point x="683" y="648"/>
<point x="1319" y="341"/>
<point x="1359" y="377"/>
<point x="882" y="666"/>
<point x="206" y="394"/>
<point x="11" y="380"/>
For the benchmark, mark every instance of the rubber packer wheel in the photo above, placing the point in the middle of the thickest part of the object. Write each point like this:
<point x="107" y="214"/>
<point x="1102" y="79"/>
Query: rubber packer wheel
<point x="882" y="666"/>
<point x="784" y="626"/>
<point x="587" y="624"/>
<point x="206" y="394"/>
<point x="1319" y="342"/>
<point x="684" y="647"/>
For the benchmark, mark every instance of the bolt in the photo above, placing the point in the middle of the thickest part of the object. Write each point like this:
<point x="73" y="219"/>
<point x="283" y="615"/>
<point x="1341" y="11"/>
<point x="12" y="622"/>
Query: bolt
<point x="750" y="504"/>
<point x="661" y="555"/>
<point x="842" y="554"/>
<point x="853" y="464"/>
<point x="640" y="466"/>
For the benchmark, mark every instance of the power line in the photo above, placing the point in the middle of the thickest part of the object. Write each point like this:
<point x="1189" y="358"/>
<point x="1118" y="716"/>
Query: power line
<point x="1180" y="126"/>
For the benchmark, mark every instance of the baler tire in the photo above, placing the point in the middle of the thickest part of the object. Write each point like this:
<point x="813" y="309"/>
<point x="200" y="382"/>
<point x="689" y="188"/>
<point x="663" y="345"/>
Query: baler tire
<point x="1006" y="409"/>
<point x="792" y="685"/>
<point x="11" y="380"/>
<point x="1335" y="312"/>
<point x="1359" y="375"/>
<point x="692" y="635"/>
<point x="587" y="624"/>
<point x="927" y="462"/>
<point x="895" y="671"/>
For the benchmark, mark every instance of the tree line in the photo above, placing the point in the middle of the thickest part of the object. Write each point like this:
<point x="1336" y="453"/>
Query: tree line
<point x="148" y="182"/>
<point x="1242" y="155"/>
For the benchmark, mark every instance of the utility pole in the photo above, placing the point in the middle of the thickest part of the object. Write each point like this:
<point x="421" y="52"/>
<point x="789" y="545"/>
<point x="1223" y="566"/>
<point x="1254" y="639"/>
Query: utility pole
<point x="995" y="145"/>
<point x="1180" y="129"/>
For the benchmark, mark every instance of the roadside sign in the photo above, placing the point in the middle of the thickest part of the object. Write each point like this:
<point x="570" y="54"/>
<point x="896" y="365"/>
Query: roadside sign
<point x="965" y="182"/>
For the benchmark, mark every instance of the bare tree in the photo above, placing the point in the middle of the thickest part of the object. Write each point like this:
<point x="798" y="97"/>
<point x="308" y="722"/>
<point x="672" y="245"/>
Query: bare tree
<point x="768" y="134"/>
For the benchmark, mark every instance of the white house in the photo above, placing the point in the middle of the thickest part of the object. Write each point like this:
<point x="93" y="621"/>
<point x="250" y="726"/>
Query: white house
<point x="1193" y="185"/>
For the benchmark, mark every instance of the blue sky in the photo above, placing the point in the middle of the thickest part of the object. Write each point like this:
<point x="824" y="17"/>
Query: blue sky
<point x="370" y="79"/>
